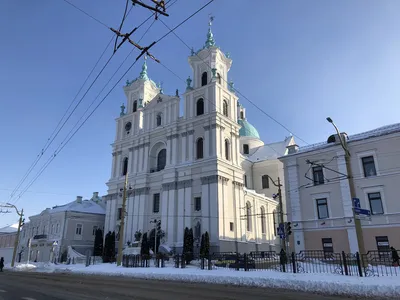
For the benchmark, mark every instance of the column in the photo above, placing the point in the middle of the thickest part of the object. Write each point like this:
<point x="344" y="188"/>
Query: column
<point x="171" y="216"/>
<point x="141" y="211"/>
<point x="191" y="145"/>
<point x="140" y="159"/>
<point x="214" y="140"/>
<point x="222" y="142"/>
<point x="165" y="219"/>
<point x="137" y="155"/>
<point x="169" y="149"/>
<point x="174" y="152"/>
<point x="113" y="213"/>
<point x="206" y="101"/>
<point x="146" y="156"/>
<point x="143" y="156"/>
<point x="213" y="209"/>
<point x="188" y="206"/>
<point x="165" y="117"/>
<point x="207" y="141"/>
<point x="118" y="169"/>
<point x="221" y="208"/>
<point x="114" y="165"/>
<point x="130" y="158"/>
<point x="181" y="216"/>
<point x="135" y="216"/>
<point x="191" y="106"/>
<point x="183" y="144"/>
<point x="205" y="205"/>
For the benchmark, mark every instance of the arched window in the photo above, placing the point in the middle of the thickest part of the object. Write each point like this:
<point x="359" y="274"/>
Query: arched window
<point x="134" y="106"/>
<point x="125" y="166"/>
<point x="225" y="108"/>
<point x="158" y="120"/>
<point x="161" y="159"/>
<point x="263" y="225"/>
<point x="199" y="148"/>
<point x="204" y="79"/>
<point x="200" y="107"/>
<point x="219" y="78"/>
<point x="248" y="216"/>
<point x="227" y="148"/>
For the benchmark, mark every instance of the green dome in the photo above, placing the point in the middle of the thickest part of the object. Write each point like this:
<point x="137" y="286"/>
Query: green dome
<point x="247" y="129"/>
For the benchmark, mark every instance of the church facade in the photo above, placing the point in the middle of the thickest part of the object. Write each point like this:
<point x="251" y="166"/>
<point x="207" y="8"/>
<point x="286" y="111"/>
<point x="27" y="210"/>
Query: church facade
<point x="204" y="168"/>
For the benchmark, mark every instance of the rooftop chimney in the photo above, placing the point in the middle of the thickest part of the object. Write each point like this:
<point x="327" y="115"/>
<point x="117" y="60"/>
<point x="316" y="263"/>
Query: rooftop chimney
<point x="292" y="149"/>
<point x="78" y="199"/>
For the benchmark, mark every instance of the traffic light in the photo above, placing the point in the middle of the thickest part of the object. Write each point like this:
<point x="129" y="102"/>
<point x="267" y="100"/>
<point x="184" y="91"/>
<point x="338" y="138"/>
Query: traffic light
<point x="22" y="222"/>
<point x="288" y="228"/>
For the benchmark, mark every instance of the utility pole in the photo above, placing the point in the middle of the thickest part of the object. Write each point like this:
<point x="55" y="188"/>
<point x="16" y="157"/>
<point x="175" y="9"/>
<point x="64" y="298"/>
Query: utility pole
<point x="20" y="224"/>
<point x="122" y="226"/>
<point x="357" y="222"/>
<point x="281" y="220"/>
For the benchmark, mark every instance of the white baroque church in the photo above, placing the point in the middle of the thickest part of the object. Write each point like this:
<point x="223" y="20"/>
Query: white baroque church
<point x="205" y="168"/>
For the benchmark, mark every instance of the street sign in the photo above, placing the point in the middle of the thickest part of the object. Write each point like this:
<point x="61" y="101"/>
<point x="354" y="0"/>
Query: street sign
<point x="361" y="211"/>
<point x="356" y="203"/>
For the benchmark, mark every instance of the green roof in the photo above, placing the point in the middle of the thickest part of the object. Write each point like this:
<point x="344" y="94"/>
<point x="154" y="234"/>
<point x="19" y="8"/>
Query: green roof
<point x="247" y="129"/>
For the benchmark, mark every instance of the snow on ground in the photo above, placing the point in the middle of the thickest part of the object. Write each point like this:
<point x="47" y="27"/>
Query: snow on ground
<point x="318" y="283"/>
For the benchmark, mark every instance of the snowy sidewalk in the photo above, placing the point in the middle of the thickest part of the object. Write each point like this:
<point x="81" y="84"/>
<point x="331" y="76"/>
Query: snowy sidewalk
<point x="320" y="283"/>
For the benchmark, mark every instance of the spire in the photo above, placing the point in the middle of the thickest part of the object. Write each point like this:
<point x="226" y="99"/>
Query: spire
<point x="210" y="37"/>
<point x="143" y="74"/>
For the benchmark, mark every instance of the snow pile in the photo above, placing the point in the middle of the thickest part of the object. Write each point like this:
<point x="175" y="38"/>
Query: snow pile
<point x="316" y="283"/>
<point x="25" y="267"/>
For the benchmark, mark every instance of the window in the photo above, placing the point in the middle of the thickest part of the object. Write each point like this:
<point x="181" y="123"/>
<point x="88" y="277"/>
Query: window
<point x="242" y="115"/>
<point x="57" y="228"/>
<point x="44" y="229"/>
<point x="322" y="208"/>
<point x="200" y="107"/>
<point x="369" y="166"/>
<point x="78" y="230"/>
<point x="197" y="203"/>
<point x="231" y="226"/>
<point x="375" y="203"/>
<point x="245" y="180"/>
<point x="248" y="216"/>
<point x="158" y="120"/>
<point x="265" y="182"/>
<point x="263" y="226"/>
<point x="227" y="146"/>
<point x="125" y="166"/>
<point x="199" y="148"/>
<point x="134" y="106"/>
<point x="225" y="108"/>
<point x="156" y="203"/>
<point x="119" y="217"/>
<point x="197" y="231"/>
<point x="219" y="78"/>
<point x="246" y="149"/>
<point x="204" y="79"/>
<point x="318" y="175"/>
<point x="161" y="159"/>
<point x="94" y="230"/>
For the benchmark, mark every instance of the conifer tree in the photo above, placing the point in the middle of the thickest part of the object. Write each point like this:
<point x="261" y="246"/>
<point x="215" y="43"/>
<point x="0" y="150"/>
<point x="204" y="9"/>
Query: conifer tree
<point x="206" y="244"/>
<point x="98" y="243"/>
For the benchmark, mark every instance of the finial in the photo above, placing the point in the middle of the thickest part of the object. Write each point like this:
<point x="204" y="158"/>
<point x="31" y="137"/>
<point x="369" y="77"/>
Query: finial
<point x="143" y="74"/>
<point x="177" y="93"/>
<point x="188" y="83"/>
<point x="214" y="72"/>
<point x="210" y="19"/>
<point x="228" y="55"/>
<point x="161" y="88"/>
<point x="231" y="86"/>
<point x="127" y="82"/>
<point x="210" y="38"/>
<point x="122" y="110"/>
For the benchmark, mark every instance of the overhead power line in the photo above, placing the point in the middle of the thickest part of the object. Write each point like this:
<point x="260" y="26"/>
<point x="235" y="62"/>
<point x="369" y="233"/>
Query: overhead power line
<point x="145" y="50"/>
<point x="89" y="15"/>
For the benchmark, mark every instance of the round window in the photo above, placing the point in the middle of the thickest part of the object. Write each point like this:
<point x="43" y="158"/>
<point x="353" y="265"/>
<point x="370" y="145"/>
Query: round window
<point x="128" y="126"/>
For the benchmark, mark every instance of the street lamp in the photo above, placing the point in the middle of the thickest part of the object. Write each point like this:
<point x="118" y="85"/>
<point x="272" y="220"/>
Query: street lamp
<point x="357" y="222"/>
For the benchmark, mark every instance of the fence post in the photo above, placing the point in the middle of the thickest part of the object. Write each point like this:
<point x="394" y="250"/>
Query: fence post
<point x="202" y="263"/>
<point x="209" y="262"/>
<point x="246" y="266"/>
<point x="183" y="261"/>
<point x="346" y="269"/>
<point x="294" y="263"/>
<point x="359" y="264"/>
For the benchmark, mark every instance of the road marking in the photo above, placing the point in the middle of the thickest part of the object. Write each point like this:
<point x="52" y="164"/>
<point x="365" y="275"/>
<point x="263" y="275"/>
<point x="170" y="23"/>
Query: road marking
<point x="27" y="298"/>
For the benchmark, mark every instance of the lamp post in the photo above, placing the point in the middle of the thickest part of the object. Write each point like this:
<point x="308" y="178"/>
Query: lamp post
<point x="357" y="222"/>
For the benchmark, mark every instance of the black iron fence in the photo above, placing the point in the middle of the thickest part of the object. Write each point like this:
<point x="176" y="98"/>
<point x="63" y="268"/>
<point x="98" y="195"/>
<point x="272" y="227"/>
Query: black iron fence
<point x="374" y="263"/>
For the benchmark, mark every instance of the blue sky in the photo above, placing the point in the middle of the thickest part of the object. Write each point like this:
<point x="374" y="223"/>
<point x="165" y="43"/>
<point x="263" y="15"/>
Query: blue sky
<point x="300" y="61"/>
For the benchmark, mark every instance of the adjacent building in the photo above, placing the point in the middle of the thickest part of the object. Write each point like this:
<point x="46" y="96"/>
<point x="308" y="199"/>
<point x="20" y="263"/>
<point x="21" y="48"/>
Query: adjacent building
<point x="318" y="195"/>
<point x="203" y="168"/>
<point x="54" y="229"/>
<point x="8" y="235"/>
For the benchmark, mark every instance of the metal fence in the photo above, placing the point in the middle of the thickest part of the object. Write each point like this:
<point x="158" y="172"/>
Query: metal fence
<point x="374" y="263"/>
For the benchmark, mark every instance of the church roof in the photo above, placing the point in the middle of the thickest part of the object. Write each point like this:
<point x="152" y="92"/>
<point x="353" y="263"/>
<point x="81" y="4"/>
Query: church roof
<point x="143" y="76"/>
<point x="271" y="151"/>
<point x="247" y="129"/>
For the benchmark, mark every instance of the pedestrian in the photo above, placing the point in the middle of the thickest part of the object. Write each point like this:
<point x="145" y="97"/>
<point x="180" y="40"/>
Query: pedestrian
<point x="395" y="256"/>
<point x="1" y="264"/>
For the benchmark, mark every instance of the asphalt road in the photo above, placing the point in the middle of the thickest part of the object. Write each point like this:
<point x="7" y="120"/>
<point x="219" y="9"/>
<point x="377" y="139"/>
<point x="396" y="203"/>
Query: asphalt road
<point x="37" y="286"/>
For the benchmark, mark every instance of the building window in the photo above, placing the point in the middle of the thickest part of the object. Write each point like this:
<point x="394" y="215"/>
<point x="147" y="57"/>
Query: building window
<point x="125" y="167"/>
<point x="78" y="230"/>
<point x="322" y="208"/>
<point x="204" y="79"/>
<point x="197" y="231"/>
<point x="375" y="203"/>
<point x="158" y="120"/>
<point x="200" y="107"/>
<point x="263" y="225"/>
<point x="197" y="203"/>
<point x="156" y="203"/>
<point x="231" y="226"/>
<point x="245" y="180"/>
<point x="219" y="78"/>
<point x="225" y="108"/>
<point x="227" y="146"/>
<point x="241" y="115"/>
<point x="265" y="182"/>
<point x="318" y="175"/>
<point x="199" y="148"/>
<point x="246" y="149"/>
<point x="94" y="230"/>
<point x="161" y="159"/>
<point x="134" y="106"/>
<point x="248" y="216"/>
<point x="57" y="228"/>
<point x="119" y="216"/>
<point x="369" y="166"/>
